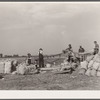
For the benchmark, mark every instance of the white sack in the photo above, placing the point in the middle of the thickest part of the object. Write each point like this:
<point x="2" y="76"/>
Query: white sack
<point x="84" y="64"/>
<point x="82" y="71"/>
<point x="90" y="64"/>
<point x="93" y="72"/>
<point x="88" y="72"/>
<point x="98" y="73"/>
<point x="48" y="65"/>
<point x="21" y="69"/>
<point x="96" y="65"/>
<point x="8" y="65"/>
<point x="89" y="58"/>
<point x="2" y="67"/>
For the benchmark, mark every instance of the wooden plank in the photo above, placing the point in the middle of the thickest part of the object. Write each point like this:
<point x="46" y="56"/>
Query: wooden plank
<point x="49" y="69"/>
<point x="63" y="72"/>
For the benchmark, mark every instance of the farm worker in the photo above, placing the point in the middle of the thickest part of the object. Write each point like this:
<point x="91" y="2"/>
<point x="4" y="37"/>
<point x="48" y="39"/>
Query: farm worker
<point x="70" y="52"/>
<point x="36" y="64"/>
<point x="29" y="60"/>
<point x="81" y="50"/>
<point x="96" y="49"/>
<point x="41" y="58"/>
<point x="69" y="48"/>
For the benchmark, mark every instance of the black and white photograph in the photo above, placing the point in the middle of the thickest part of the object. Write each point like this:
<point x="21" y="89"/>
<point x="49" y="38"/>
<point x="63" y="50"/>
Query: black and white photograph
<point x="49" y="46"/>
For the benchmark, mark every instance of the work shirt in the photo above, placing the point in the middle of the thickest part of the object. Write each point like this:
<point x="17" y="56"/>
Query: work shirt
<point x="81" y="50"/>
<point x="29" y="61"/>
<point x="70" y="49"/>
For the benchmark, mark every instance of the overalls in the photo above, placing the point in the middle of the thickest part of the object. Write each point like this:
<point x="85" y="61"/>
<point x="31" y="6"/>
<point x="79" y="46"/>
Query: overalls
<point x="41" y="60"/>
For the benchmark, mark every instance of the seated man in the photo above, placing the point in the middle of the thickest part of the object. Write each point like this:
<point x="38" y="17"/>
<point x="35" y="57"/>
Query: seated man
<point x="28" y="60"/>
<point x="36" y="64"/>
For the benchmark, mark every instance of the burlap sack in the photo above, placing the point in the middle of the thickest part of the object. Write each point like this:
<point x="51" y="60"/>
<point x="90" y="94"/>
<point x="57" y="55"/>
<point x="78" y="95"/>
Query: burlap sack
<point x="22" y="69"/>
<point x="2" y="67"/>
<point x="90" y="64"/>
<point x="8" y="65"/>
<point x="97" y="60"/>
<point x="65" y="62"/>
<point x="84" y="65"/>
<point x="48" y="65"/>
<point x="98" y="73"/>
<point x="95" y="57"/>
<point x="74" y="65"/>
<point x="96" y="65"/>
<point x="93" y="72"/>
<point x="98" y="68"/>
<point x="88" y="72"/>
<point x="62" y="64"/>
<point x="89" y="58"/>
<point x="30" y="69"/>
<point x="82" y="71"/>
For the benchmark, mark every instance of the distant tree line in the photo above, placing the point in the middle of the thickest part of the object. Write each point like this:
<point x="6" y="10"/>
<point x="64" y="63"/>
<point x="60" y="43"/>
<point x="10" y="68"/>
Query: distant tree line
<point x="9" y="56"/>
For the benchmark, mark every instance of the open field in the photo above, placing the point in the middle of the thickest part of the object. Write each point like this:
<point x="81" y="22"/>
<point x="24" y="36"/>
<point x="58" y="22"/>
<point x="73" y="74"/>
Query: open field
<point x="50" y="81"/>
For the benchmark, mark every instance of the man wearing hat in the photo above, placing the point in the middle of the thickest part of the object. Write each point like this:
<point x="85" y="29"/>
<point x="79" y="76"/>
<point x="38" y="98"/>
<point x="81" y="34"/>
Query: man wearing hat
<point x="70" y="53"/>
<point x="41" y="58"/>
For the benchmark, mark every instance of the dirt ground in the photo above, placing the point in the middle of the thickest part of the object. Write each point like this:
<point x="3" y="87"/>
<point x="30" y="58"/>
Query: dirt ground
<point x="50" y="81"/>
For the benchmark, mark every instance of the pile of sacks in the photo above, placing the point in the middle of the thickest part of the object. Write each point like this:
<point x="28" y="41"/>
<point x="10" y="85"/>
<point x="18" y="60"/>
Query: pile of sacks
<point x="11" y="66"/>
<point x="66" y="65"/>
<point x="8" y="66"/>
<point x="24" y="69"/>
<point x="91" y="66"/>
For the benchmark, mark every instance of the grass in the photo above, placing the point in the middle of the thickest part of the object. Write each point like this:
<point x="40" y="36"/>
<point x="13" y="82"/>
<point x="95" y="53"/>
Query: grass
<point x="50" y="81"/>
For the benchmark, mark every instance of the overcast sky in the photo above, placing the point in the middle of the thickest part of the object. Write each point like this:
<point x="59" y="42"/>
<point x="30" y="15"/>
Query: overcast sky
<point x="26" y="27"/>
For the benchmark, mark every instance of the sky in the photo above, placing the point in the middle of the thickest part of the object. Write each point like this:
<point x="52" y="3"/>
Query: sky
<point x="27" y="26"/>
